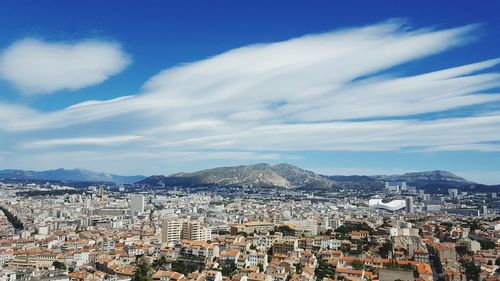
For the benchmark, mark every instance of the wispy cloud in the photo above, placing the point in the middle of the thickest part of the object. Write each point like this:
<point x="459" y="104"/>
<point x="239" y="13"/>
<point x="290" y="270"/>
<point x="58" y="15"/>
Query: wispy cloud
<point x="332" y="91"/>
<point x="99" y="140"/>
<point x="39" y="67"/>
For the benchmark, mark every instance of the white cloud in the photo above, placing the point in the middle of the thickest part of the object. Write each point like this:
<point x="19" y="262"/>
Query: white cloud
<point x="38" y="67"/>
<point x="99" y="140"/>
<point x="317" y="92"/>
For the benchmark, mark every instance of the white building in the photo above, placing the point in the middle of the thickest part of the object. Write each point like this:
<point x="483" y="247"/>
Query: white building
<point x="393" y="205"/>
<point x="410" y="206"/>
<point x="177" y="229"/>
<point x="137" y="204"/>
<point x="195" y="230"/>
<point x="171" y="230"/>
<point x="403" y="231"/>
<point x="453" y="192"/>
<point x="309" y="225"/>
<point x="395" y="187"/>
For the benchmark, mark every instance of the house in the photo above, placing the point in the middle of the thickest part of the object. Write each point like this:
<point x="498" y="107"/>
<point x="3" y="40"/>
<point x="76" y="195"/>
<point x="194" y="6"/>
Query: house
<point x="167" y="275"/>
<point x="359" y="234"/>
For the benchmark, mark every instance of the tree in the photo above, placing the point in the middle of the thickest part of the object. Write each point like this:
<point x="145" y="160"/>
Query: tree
<point x="461" y="250"/>
<point x="474" y="225"/>
<point x="14" y="220"/>
<point x="385" y="249"/>
<point x="324" y="270"/>
<point x="487" y="245"/>
<point x="285" y="229"/>
<point x="471" y="270"/>
<point x="261" y="267"/>
<point x="59" y="265"/>
<point x="159" y="263"/>
<point x="348" y="227"/>
<point x="269" y="254"/>
<point x="497" y="261"/>
<point x="357" y="264"/>
<point x="143" y="271"/>
<point x="228" y="270"/>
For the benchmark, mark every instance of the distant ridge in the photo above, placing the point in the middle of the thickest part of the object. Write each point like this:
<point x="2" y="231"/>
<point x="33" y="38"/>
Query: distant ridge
<point x="258" y="175"/>
<point x="291" y="177"/>
<point x="74" y="175"/>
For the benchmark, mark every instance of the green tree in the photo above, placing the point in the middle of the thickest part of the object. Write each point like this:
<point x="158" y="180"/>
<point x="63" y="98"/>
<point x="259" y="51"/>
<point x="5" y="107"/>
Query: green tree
<point x="144" y="271"/>
<point x="229" y="270"/>
<point x="59" y="265"/>
<point x="159" y="263"/>
<point x="474" y="225"/>
<point x="261" y="267"/>
<point x="471" y="270"/>
<point x="385" y="249"/>
<point x="324" y="270"/>
<point x="487" y="245"/>
<point x="357" y="264"/>
<point x="461" y="250"/>
<point x="16" y="223"/>
<point x="270" y="254"/>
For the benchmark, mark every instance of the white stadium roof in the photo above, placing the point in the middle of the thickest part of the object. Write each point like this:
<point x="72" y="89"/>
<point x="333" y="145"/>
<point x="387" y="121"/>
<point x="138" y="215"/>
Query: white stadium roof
<point x="393" y="205"/>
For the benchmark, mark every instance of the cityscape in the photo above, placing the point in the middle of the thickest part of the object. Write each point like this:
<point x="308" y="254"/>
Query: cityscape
<point x="249" y="140"/>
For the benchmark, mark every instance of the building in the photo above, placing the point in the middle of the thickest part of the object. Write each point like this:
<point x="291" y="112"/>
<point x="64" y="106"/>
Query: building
<point x="164" y="275"/>
<point x="177" y="229"/>
<point x="410" y="207"/>
<point x="395" y="187"/>
<point x="445" y="252"/>
<point x="100" y="192"/>
<point x="171" y="230"/>
<point x="393" y="205"/>
<point x="285" y="245"/>
<point x="359" y="234"/>
<point x="483" y="210"/>
<point x="310" y="226"/>
<point x="137" y="204"/>
<point x="252" y="227"/>
<point x="195" y="230"/>
<point x="453" y="192"/>
<point x="393" y="274"/>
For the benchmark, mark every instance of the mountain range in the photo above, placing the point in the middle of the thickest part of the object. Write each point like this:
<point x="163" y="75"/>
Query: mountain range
<point x="258" y="175"/>
<point x="290" y="177"/>
<point x="75" y="175"/>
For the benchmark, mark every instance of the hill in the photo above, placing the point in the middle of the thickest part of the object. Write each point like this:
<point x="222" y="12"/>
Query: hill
<point x="75" y="175"/>
<point x="258" y="175"/>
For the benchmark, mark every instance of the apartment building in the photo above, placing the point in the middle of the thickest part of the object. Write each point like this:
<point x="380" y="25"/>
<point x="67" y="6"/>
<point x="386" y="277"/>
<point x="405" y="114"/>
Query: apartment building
<point x="184" y="229"/>
<point x="171" y="230"/>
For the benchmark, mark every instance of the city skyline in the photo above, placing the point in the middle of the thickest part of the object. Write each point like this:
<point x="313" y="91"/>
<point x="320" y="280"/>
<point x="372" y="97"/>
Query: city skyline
<point x="148" y="91"/>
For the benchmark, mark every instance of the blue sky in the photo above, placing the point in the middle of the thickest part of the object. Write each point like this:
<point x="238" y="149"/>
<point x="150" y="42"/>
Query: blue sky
<point x="339" y="87"/>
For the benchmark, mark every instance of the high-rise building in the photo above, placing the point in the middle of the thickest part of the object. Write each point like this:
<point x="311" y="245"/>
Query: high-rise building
<point x="453" y="192"/>
<point x="171" y="230"/>
<point x="484" y="210"/>
<point x="395" y="187"/>
<point x="137" y="204"/>
<point x="195" y="230"/>
<point x="410" y="208"/>
<point x="100" y="191"/>
<point x="176" y="229"/>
